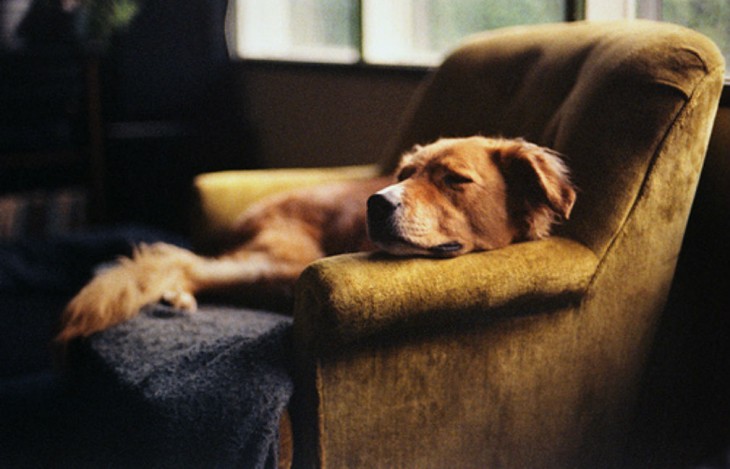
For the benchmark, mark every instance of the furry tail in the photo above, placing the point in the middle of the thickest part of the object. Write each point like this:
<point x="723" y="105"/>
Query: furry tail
<point x="157" y="271"/>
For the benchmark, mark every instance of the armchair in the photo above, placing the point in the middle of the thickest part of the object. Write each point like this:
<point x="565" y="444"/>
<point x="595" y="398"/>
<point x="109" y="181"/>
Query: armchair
<point x="528" y="356"/>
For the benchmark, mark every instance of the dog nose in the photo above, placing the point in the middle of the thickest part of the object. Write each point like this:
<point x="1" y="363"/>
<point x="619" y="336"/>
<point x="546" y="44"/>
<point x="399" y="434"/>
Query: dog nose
<point x="380" y="208"/>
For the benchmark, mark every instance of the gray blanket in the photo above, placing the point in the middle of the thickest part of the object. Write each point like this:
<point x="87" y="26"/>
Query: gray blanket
<point x="202" y="389"/>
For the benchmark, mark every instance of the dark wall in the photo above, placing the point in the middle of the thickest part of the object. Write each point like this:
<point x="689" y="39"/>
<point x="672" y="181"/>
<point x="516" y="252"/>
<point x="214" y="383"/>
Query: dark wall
<point x="167" y="84"/>
<point x="176" y="105"/>
<point x="323" y="115"/>
<point x="257" y="115"/>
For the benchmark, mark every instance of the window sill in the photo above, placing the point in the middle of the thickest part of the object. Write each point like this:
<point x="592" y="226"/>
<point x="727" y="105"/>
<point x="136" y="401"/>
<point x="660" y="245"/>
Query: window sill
<point x="356" y="66"/>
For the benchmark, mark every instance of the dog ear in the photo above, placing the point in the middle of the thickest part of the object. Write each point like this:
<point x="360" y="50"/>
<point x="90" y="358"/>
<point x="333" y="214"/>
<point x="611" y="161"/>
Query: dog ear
<point x="537" y="176"/>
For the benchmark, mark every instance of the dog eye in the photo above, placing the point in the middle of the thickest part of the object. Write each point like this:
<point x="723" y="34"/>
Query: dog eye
<point x="405" y="173"/>
<point x="453" y="179"/>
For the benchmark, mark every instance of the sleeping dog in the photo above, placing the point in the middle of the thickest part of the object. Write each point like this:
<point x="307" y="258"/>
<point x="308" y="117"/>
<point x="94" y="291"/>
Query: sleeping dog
<point x="451" y="197"/>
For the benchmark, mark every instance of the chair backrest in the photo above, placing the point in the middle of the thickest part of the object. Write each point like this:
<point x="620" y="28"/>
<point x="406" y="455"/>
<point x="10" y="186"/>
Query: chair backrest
<point x="612" y="97"/>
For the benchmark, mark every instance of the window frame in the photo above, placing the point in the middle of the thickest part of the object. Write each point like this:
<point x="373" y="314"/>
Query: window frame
<point x="575" y="10"/>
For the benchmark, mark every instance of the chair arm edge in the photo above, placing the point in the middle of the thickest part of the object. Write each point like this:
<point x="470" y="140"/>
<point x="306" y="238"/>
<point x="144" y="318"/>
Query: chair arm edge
<point x="343" y="299"/>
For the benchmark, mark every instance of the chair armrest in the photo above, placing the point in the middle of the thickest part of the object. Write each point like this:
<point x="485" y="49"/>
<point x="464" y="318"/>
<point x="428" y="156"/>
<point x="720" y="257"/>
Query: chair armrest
<point x="221" y="197"/>
<point x="343" y="299"/>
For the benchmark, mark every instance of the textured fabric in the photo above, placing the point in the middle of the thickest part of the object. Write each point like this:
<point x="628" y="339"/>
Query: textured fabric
<point x="529" y="356"/>
<point x="197" y="389"/>
<point x="359" y="296"/>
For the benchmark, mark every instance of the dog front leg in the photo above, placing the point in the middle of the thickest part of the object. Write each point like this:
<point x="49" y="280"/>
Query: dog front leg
<point x="253" y="279"/>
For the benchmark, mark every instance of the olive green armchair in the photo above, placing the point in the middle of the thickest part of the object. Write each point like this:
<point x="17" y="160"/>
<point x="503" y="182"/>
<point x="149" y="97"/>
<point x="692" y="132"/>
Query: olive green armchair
<point x="528" y="356"/>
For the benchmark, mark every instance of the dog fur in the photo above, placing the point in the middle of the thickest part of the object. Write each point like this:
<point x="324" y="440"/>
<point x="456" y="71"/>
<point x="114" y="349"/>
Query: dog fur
<point x="451" y="197"/>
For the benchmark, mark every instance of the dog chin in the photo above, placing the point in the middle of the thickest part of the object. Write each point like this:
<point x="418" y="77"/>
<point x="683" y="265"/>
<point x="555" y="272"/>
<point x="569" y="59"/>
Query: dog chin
<point x="399" y="248"/>
<point x="402" y="247"/>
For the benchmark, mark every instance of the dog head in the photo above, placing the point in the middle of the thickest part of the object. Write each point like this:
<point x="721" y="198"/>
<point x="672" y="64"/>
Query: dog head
<point x="470" y="194"/>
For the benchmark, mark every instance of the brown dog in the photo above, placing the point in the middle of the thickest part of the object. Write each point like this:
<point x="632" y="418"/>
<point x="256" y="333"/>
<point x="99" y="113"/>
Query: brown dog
<point x="453" y="197"/>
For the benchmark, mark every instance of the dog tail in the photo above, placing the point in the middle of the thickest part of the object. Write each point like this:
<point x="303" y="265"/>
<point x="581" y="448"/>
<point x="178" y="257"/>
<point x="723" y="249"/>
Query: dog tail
<point x="118" y="293"/>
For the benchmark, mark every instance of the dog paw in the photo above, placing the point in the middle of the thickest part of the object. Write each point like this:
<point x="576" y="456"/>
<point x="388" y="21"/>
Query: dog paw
<point x="179" y="299"/>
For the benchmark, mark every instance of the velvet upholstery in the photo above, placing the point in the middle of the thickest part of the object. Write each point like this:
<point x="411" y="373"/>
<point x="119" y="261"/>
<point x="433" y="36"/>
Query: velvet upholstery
<point x="529" y="356"/>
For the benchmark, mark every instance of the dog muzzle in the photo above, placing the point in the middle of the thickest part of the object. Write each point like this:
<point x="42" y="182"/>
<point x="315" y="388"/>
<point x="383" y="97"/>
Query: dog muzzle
<point x="383" y="229"/>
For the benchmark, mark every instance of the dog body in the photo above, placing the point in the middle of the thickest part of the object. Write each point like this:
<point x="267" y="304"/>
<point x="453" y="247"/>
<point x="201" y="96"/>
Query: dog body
<point x="451" y="197"/>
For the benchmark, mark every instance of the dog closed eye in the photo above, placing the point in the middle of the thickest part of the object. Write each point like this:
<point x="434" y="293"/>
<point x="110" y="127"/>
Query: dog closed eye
<point x="455" y="179"/>
<point x="406" y="173"/>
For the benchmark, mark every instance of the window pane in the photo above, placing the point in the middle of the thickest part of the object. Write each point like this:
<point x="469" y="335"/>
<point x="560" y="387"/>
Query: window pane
<point x="422" y="31"/>
<point x="417" y="32"/>
<point x="307" y="30"/>
<point x="710" y="17"/>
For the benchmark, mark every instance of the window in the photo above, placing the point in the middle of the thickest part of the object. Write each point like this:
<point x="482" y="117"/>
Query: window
<point x="421" y="32"/>
<point x="412" y="32"/>
<point x="710" y="17"/>
<point x="302" y="30"/>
